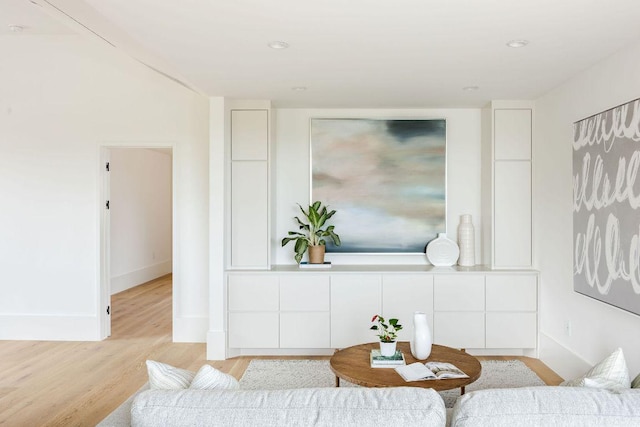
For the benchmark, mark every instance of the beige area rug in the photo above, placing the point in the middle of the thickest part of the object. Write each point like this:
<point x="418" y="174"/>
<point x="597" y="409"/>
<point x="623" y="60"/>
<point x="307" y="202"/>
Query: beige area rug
<point x="283" y="374"/>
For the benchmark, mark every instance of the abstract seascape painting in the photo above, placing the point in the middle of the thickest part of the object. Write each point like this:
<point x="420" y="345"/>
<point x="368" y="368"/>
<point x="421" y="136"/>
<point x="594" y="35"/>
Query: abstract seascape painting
<point x="606" y="206"/>
<point x="385" y="178"/>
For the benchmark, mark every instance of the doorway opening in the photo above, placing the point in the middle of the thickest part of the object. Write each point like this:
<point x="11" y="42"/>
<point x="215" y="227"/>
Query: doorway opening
<point x="137" y="222"/>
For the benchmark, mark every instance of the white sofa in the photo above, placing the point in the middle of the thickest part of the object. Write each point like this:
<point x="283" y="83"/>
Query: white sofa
<point x="547" y="406"/>
<point x="404" y="406"/>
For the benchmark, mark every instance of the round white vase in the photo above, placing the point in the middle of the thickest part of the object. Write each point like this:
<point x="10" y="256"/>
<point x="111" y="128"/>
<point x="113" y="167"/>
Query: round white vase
<point x="421" y="340"/>
<point x="466" y="242"/>
<point x="387" y="349"/>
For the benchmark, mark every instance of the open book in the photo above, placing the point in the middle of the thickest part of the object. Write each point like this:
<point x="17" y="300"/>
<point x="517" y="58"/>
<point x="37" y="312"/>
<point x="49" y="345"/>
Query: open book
<point x="429" y="371"/>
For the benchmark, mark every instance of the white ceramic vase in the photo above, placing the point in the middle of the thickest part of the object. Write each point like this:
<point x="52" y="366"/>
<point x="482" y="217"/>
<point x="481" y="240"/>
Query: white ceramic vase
<point x="387" y="349"/>
<point x="466" y="242"/>
<point x="421" y="339"/>
<point x="442" y="251"/>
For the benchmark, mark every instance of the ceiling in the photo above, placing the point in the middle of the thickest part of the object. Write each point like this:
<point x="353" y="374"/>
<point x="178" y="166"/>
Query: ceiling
<point x="350" y="53"/>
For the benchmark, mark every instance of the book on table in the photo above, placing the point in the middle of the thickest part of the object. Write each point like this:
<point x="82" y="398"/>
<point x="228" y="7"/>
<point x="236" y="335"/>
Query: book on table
<point x="379" y="361"/>
<point x="430" y="371"/>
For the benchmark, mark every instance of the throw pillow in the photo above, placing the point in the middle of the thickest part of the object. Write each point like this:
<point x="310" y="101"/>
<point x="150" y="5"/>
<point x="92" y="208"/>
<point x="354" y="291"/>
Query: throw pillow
<point x="167" y="377"/>
<point x="209" y="378"/>
<point x="636" y="382"/>
<point x="610" y="371"/>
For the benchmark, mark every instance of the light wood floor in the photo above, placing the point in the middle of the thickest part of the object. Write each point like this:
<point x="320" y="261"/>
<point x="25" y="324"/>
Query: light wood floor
<point x="79" y="383"/>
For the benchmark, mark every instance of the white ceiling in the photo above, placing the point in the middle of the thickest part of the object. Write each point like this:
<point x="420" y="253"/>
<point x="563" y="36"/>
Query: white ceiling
<point x="352" y="53"/>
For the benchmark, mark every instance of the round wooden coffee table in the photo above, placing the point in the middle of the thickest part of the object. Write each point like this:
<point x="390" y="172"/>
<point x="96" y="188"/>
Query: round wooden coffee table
<point x="352" y="364"/>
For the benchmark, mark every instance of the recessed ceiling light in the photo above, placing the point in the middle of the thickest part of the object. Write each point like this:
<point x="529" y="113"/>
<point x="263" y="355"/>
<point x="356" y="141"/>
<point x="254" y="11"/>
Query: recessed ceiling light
<point x="278" y="45"/>
<point x="299" y="88"/>
<point x="470" y="88"/>
<point x="16" y="28"/>
<point x="517" y="43"/>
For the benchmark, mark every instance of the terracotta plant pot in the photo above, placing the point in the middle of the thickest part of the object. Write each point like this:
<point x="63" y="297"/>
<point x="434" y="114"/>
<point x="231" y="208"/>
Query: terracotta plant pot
<point x="316" y="254"/>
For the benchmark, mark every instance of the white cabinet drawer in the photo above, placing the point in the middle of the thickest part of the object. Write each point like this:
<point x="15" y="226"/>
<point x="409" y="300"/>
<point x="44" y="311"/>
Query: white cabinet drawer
<point x="253" y="330"/>
<point x="458" y="293"/>
<point x="305" y="292"/>
<point x="512" y="293"/>
<point x="253" y="292"/>
<point x="511" y="330"/>
<point x="305" y="330"/>
<point x="459" y="330"/>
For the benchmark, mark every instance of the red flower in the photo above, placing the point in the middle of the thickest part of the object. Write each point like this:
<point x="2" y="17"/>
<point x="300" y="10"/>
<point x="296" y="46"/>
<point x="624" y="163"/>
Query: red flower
<point x="374" y="318"/>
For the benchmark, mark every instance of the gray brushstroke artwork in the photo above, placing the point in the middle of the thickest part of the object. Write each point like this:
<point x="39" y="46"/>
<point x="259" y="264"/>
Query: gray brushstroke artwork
<point x="385" y="178"/>
<point x="606" y="206"/>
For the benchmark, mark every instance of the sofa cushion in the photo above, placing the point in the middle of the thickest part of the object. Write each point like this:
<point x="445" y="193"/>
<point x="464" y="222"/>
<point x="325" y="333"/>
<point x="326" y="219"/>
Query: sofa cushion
<point x="546" y="406"/>
<point x="610" y="371"/>
<point x="402" y="406"/>
<point x="209" y="378"/>
<point x="167" y="377"/>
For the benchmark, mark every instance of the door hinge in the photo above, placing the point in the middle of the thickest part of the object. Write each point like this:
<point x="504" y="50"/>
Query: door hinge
<point x="107" y="166"/>
<point x="108" y="309"/>
<point x="107" y="205"/>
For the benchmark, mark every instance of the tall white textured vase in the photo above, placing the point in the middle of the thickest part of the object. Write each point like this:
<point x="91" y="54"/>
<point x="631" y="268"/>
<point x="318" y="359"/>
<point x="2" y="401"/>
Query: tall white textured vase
<point x="466" y="242"/>
<point x="421" y="339"/>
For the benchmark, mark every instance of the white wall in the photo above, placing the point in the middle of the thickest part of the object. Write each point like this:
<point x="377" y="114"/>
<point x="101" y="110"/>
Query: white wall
<point x="140" y="215"/>
<point x="61" y="99"/>
<point x="596" y="328"/>
<point x="292" y="181"/>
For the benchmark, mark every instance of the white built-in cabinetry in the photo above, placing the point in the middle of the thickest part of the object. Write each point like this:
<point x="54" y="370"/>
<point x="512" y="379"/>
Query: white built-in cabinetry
<point x="507" y="189"/>
<point x="291" y="309"/>
<point x="249" y="169"/>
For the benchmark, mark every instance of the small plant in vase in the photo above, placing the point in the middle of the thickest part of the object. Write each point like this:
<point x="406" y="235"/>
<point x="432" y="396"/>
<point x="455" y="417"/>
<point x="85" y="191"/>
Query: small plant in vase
<point x="311" y="235"/>
<point x="387" y="332"/>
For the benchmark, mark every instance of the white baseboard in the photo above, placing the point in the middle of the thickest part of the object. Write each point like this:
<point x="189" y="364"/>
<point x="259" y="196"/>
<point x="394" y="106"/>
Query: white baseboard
<point x="190" y="329"/>
<point x="49" y="328"/>
<point x="563" y="361"/>
<point x="138" y="277"/>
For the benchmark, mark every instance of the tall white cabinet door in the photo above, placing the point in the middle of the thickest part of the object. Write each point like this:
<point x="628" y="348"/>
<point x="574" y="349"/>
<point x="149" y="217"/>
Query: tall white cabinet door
<point x="403" y="295"/>
<point x="249" y="134"/>
<point x="512" y="140"/>
<point x="355" y="299"/>
<point x="249" y="219"/>
<point x="512" y="214"/>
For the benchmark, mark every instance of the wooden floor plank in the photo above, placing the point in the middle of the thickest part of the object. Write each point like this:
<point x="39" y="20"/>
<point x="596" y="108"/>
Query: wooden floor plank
<point x="48" y="383"/>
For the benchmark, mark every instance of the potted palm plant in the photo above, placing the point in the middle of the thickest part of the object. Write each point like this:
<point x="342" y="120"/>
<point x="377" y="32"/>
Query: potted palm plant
<point x="387" y="332"/>
<point x="311" y="235"/>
